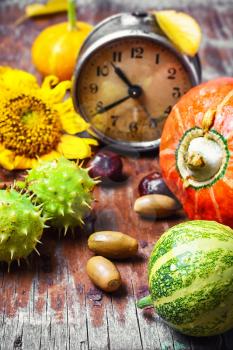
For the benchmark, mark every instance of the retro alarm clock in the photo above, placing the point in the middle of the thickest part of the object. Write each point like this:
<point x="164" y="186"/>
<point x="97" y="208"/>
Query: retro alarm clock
<point x="127" y="79"/>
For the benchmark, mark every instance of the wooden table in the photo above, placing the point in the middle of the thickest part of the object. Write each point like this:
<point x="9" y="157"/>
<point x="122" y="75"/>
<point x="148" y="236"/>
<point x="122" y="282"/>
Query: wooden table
<point x="52" y="304"/>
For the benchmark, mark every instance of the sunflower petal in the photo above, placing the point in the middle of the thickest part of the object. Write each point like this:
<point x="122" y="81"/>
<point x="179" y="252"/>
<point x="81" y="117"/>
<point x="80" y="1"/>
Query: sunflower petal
<point x="72" y="123"/>
<point x="65" y="106"/>
<point x="54" y="94"/>
<point x="16" y="79"/>
<point x="22" y="162"/>
<point x="50" y="156"/>
<point x="90" y="141"/>
<point x="73" y="147"/>
<point x="49" y="82"/>
<point x="7" y="158"/>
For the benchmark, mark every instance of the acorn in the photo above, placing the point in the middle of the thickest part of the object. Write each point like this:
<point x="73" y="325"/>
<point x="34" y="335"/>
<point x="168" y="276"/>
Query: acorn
<point x="103" y="273"/>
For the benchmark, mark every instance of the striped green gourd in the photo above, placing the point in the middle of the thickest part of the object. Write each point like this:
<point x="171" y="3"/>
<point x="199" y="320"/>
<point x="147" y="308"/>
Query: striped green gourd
<point x="191" y="278"/>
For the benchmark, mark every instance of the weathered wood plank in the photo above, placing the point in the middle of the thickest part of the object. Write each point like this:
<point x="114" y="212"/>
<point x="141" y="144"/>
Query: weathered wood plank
<point x="122" y="321"/>
<point x="52" y="304"/>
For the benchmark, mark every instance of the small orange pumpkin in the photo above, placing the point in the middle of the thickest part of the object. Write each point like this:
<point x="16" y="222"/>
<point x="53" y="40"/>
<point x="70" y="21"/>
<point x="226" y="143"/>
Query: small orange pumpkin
<point x="196" y="151"/>
<point x="56" y="48"/>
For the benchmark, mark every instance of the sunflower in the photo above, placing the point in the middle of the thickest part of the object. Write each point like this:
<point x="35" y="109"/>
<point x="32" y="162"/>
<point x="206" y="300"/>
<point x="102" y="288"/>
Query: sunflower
<point x="38" y="122"/>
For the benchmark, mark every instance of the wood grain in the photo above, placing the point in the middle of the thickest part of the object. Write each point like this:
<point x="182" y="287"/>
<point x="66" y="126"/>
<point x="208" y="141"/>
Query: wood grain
<point x="51" y="304"/>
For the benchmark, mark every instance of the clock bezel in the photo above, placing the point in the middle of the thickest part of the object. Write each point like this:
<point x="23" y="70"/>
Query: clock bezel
<point x="108" y="39"/>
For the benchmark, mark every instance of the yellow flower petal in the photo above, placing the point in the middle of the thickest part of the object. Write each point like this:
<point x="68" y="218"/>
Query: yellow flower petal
<point x="73" y="147"/>
<point x="4" y="69"/>
<point x="16" y="79"/>
<point x="55" y="94"/>
<point x="90" y="141"/>
<point x="49" y="82"/>
<point x="22" y="162"/>
<point x="50" y="156"/>
<point x="2" y="147"/>
<point x="65" y="106"/>
<point x="7" y="158"/>
<point x="72" y="123"/>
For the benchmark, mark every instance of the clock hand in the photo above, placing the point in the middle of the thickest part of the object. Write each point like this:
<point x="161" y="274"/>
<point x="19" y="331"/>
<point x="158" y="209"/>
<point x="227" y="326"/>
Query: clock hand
<point x="122" y="75"/>
<point x="145" y="110"/>
<point x="111" y="105"/>
<point x="134" y="91"/>
<point x="155" y="120"/>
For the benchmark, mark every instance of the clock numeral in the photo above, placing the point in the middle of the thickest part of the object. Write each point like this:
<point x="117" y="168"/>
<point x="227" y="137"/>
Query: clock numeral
<point x="117" y="56"/>
<point x="99" y="106"/>
<point x="114" y="119"/>
<point x="104" y="71"/>
<point x="171" y="73"/>
<point x="133" y="127"/>
<point x="153" y="123"/>
<point x="93" y="88"/>
<point x="157" y="58"/>
<point x="176" y="92"/>
<point x="137" y="52"/>
<point x="167" y="110"/>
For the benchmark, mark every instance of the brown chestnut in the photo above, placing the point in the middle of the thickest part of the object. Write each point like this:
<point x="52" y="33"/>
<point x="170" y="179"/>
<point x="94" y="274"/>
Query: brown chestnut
<point x="153" y="183"/>
<point x="106" y="165"/>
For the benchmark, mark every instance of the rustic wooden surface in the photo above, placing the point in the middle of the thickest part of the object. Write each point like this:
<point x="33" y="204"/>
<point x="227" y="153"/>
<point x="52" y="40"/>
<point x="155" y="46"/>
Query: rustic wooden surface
<point x="51" y="304"/>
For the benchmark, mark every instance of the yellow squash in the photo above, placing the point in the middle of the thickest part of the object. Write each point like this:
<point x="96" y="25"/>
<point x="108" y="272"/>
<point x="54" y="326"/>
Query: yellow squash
<point x="56" y="49"/>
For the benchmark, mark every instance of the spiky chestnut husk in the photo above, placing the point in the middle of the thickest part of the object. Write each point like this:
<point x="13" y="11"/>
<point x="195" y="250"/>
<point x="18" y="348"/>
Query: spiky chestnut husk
<point x="21" y="225"/>
<point x="65" y="189"/>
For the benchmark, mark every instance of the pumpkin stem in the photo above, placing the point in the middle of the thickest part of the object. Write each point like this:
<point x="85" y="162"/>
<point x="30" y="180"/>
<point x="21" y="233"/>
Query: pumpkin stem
<point x="145" y="302"/>
<point x="194" y="161"/>
<point x="208" y="120"/>
<point x="203" y="158"/>
<point x="72" y="15"/>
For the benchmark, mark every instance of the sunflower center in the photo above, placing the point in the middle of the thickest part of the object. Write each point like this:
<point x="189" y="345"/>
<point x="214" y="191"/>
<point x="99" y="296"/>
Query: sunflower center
<point x="31" y="119"/>
<point x="29" y="127"/>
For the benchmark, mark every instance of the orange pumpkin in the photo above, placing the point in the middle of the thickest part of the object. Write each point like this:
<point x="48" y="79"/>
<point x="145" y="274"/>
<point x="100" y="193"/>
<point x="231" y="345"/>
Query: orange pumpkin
<point x="56" y="48"/>
<point x="196" y="151"/>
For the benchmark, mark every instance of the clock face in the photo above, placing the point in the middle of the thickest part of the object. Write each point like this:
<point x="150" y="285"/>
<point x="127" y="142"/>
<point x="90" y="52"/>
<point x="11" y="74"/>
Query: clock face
<point x="127" y="88"/>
